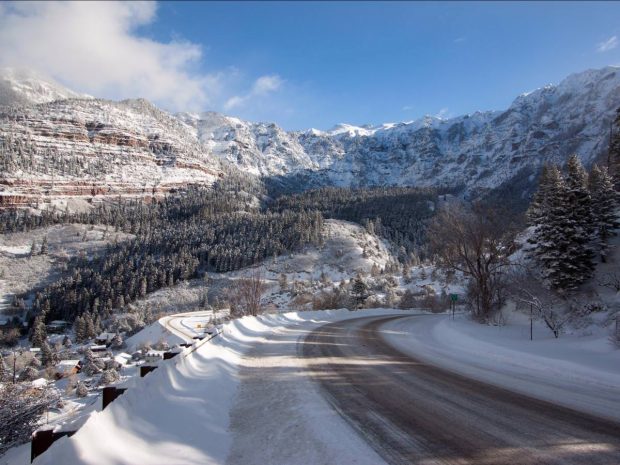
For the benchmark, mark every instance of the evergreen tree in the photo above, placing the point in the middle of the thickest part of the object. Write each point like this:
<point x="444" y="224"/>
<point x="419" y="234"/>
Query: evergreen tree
<point x="33" y="248"/>
<point x="117" y="341"/>
<point x="614" y="152"/>
<point x="39" y="332"/>
<point x="44" y="247"/>
<point x="89" y="326"/>
<point x="283" y="282"/>
<point x="580" y="217"/>
<point x="81" y="390"/>
<point x="80" y="329"/>
<point x="48" y="356"/>
<point x="604" y="205"/>
<point x="539" y="201"/>
<point x="359" y="289"/>
<point x="560" y="237"/>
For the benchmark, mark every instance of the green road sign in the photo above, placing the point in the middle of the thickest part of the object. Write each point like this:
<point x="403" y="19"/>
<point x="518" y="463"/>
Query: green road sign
<point x="454" y="297"/>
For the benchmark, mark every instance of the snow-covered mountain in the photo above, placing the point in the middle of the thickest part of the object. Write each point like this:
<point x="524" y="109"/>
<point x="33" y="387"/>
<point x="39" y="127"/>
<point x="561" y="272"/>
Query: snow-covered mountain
<point x="96" y="148"/>
<point x="18" y="86"/>
<point x="134" y="145"/>
<point x="481" y="150"/>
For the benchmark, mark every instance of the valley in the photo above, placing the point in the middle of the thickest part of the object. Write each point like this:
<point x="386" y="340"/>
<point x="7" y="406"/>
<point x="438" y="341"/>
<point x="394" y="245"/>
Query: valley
<point x="442" y="290"/>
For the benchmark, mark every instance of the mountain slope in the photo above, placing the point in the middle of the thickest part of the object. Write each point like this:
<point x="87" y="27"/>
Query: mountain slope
<point x="93" y="147"/>
<point x="20" y="87"/>
<point x="478" y="151"/>
<point x="131" y="147"/>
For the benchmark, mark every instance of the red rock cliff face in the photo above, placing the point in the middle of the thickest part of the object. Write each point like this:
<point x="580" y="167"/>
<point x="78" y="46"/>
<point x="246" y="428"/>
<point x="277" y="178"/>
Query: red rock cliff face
<point x="94" y="149"/>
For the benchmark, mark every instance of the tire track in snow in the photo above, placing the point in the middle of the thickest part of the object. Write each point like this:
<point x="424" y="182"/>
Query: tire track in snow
<point x="414" y="412"/>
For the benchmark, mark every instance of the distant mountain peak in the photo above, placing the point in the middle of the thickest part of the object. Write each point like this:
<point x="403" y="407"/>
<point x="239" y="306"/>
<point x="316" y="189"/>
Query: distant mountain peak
<point x="23" y="86"/>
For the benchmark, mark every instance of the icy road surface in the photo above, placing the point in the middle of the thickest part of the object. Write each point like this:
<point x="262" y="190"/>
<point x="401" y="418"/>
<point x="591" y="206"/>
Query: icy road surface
<point x="410" y="411"/>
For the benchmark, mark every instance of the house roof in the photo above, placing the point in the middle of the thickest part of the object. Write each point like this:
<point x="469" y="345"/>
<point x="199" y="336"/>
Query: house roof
<point x="65" y="366"/>
<point x="68" y="363"/>
<point x="122" y="358"/>
<point x="38" y="383"/>
<point x="155" y="353"/>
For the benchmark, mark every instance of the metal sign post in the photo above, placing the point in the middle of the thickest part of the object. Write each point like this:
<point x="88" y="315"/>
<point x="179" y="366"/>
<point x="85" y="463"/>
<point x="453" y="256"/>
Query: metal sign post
<point x="453" y="299"/>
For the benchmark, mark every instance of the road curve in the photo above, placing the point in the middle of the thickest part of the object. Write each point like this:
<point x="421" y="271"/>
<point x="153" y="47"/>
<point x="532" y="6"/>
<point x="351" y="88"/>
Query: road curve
<point x="415" y="413"/>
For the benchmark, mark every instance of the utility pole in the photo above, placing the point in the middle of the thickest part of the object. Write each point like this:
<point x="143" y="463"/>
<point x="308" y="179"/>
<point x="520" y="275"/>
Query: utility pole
<point x="531" y="323"/>
<point x="14" y="358"/>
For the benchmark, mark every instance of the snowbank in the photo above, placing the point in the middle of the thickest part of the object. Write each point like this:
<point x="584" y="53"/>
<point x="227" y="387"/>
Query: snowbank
<point x="578" y="372"/>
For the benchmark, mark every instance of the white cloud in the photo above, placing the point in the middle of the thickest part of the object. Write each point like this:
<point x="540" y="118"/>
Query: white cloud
<point x="263" y="86"/>
<point x="408" y="108"/>
<point x="97" y="48"/>
<point x="458" y="40"/>
<point x="443" y="113"/>
<point x="266" y="84"/>
<point x="608" y="44"/>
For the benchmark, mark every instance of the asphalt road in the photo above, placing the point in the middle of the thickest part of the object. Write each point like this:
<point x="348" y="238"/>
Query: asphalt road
<point x="415" y="413"/>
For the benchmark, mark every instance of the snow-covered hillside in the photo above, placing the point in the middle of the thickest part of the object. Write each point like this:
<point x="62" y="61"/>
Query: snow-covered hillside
<point x="19" y="86"/>
<point x="93" y="147"/>
<point x="481" y="150"/>
<point x="131" y="147"/>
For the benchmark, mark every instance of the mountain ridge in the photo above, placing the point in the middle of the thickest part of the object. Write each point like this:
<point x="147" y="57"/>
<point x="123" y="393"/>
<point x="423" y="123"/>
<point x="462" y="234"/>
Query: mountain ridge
<point x="472" y="153"/>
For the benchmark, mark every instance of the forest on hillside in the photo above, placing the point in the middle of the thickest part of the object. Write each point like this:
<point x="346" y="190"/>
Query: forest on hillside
<point x="231" y="226"/>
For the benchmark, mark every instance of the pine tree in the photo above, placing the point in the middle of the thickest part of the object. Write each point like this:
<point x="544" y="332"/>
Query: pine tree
<point x="44" y="247"/>
<point x="536" y="208"/>
<point x="33" y="248"/>
<point x="604" y="205"/>
<point x="560" y="236"/>
<point x="39" y="332"/>
<point x="117" y="341"/>
<point x="614" y="152"/>
<point x="580" y="217"/>
<point x="359" y="288"/>
<point x="89" y="326"/>
<point x="80" y="329"/>
<point x="48" y="356"/>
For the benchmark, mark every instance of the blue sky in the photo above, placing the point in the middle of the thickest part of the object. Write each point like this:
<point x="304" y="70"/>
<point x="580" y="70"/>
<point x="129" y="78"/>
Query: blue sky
<point x="317" y="64"/>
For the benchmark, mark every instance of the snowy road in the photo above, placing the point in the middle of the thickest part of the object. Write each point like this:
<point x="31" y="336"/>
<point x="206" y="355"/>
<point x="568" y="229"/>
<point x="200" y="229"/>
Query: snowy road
<point x="412" y="412"/>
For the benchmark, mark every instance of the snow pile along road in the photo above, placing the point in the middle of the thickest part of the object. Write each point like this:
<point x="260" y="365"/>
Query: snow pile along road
<point x="179" y="414"/>
<point x="579" y="372"/>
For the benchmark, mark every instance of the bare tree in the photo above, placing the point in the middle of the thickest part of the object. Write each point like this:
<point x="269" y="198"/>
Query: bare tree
<point x="20" y="410"/>
<point x="477" y="243"/>
<point x="247" y="295"/>
<point x="611" y="280"/>
<point x="528" y="290"/>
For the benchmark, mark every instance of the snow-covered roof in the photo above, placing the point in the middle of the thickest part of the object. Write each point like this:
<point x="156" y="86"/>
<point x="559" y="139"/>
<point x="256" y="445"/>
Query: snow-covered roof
<point x="39" y="383"/>
<point x="155" y="353"/>
<point x="65" y="366"/>
<point x="122" y="358"/>
<point x="68" y="363"/>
